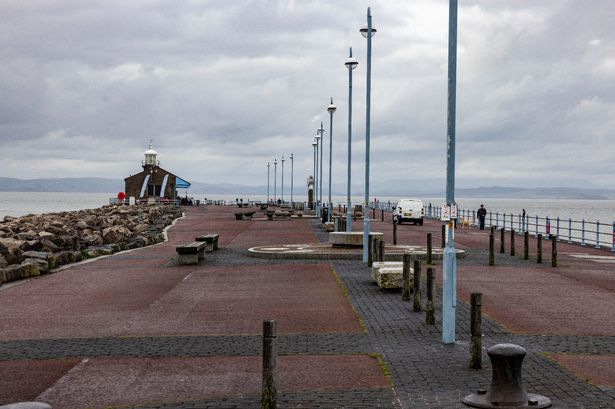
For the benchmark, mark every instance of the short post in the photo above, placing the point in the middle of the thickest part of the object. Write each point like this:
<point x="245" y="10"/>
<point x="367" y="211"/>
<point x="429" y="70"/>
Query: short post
<point x="443" y="235"/>
<point x="370" y="250"/>
<point x="512" y="242"/>
<point x="553" y="251"/>
<point x="374" y="213"/>
<point x="429" y="253"/>
<point x="491" y="250"/>
<point x="526" y="245"/>
<point x="570" y="231"/>
<point x="394" y="233"/>
<point x="597" y="246"/>
<point x="269" y="393"/>
<point x="380" y="250"/>
<point x="502" y="232"/>
<point x="476" y="346"/>
<point x="381" y="215"/>
<point x="430" y="318"/>
<point x="416" y="305"/>
<point x="539" y="249"/>
<point x="492" y="228"/>
<point x="405" y="287"/>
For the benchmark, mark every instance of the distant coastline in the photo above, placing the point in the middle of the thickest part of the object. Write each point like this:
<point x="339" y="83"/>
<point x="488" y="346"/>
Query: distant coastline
<point x="102" y="185"/>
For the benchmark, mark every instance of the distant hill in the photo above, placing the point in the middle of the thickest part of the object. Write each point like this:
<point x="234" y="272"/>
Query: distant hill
<point x="102" y="185"/>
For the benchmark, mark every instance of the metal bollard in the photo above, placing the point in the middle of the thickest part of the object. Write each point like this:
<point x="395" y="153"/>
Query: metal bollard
<point x="394" y="233"/>
<point x="381" y="215"/>
<point x="491" y="250"/>
<point x="430" y="318"/>
<point x="526" y="245"/>
<point x="512" y="242"/>
<point x="269" y="393"/>
<point x="506" y="382"/>
<point x="416" y="304"/>
<point x="405" y="287"/>
<point x="370" y="250"/>
<point x="380" y="250"/>
<point x="539" y="249"/>
<point x="443" y="235"/>
<point x="502" y="232"/>
<point x="429" y="250"/>
<point x="553" y="251"/>
<point x="476" y="331"/>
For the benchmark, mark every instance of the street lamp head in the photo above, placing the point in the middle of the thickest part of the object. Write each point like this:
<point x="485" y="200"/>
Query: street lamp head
<point x="364" y="31"/>
<point x="292" y="156"/>
<point x="331" y="107"/>
<point x="351" y="63"/>
<point x="315" y="142"/>
<point x="282" y="158"/>
<point x="275" y="161"/>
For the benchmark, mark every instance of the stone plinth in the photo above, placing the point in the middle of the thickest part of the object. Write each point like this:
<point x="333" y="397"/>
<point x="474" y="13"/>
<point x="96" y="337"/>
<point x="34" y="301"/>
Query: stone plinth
<point x="390" y="277"/>
<point x="351" y="239"/>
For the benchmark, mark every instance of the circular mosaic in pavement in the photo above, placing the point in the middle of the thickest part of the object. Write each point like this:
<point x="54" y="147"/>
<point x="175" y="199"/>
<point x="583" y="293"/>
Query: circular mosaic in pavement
<point x="326" y="251"/>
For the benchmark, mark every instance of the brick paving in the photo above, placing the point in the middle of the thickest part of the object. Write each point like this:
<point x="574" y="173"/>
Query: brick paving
<point x="423" y="372"/>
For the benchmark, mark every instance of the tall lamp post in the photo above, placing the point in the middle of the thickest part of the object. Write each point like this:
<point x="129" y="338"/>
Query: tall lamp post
<point x="283" y="179"/>
<point x="292" y="178"/>
<point x="449" y="285"/>
<point x="275" y="180"/>
<point x="367" y="32"/>
<point x="315" y="145"/>
<point x="268" y="165"/>
<point x="351" y="64"/>
<point x="321" y="131"/>
<point x="318" y="147"/>
<point x="331" y="109"/>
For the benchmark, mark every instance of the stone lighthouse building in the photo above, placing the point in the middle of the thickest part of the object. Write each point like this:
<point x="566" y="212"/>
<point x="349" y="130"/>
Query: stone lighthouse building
<point x="153" y="184"/>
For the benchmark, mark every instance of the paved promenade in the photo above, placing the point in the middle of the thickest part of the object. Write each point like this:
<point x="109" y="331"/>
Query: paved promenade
<point x="135" y="330"/>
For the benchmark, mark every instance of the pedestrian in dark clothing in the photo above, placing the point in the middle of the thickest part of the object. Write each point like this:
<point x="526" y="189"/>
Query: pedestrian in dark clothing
<point x="481" y="213"/>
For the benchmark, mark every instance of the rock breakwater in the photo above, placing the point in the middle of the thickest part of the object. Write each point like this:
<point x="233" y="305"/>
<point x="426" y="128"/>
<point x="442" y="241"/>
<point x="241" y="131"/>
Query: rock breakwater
<point x="35" y="244"/>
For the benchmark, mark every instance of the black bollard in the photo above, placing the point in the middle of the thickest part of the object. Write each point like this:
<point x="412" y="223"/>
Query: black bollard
<point x="443" y="235"/>
<point x="269" y="393"/>
<point x="381" y="215"/>
<point x="370" y="250"/>
<point x="430" y="318"/>
<point x="429" y="253"/>
<point x="502" y="232"/>
<point x="491" y="250"/>
<point x="476" y="346"/>
<point x="394" y="233"/>
<point x="539" y="249"/>
<point x="381" y="250"/>
<point x="492" y="229"/>
<point x="507" y="389"/>
<point x="512" y="242"/>
<point x="553" y="251"/>
<point x="405" y="287"/>
<point x="416" y="304"/>
<point x="373" y="213"/>
<point x="526" y="245"/>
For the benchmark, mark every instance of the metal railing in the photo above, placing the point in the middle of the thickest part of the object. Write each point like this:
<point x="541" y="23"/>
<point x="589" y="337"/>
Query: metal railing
<point x="583" y="232"/>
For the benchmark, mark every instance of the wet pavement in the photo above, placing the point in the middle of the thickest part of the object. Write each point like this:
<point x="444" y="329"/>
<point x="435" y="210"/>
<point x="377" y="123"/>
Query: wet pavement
<point x="135" y="330"/>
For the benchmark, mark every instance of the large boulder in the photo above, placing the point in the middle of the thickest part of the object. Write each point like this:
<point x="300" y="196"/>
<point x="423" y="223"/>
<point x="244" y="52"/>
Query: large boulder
<point x="115" y="234"/>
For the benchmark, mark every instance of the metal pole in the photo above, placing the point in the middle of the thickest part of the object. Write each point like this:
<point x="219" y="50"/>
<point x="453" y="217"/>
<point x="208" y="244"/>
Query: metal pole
<point x="321" y="130"/>
<point x="275" y="179"/>
<point x="331" y="110"/>
<point x="314" y="144"/>
<point x="317" y="208"/>
<point x="367" y="133"/>
<point x="268" y="165"/>
<point x="283" y="179"/>
<point x="449" y="296"/>
<point x="292" y="178"/>
<point x="351" y="65"/>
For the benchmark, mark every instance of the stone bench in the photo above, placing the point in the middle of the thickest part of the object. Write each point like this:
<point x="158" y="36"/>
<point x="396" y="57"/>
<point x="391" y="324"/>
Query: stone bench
<point x="211" y="240"/>
<point x="190" y="253"/>
<point x="243" y="215"/>
<point x="389" y="274"/>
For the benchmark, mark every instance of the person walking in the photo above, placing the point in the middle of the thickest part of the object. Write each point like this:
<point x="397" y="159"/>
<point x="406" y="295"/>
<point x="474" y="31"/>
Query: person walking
<point x="481" y="213"/>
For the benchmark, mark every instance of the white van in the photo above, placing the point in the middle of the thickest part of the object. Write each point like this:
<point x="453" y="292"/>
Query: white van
<point x="409" y="210"/>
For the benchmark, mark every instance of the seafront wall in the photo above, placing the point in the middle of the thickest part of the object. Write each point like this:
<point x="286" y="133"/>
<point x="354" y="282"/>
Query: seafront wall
<point x="36" y="244"/>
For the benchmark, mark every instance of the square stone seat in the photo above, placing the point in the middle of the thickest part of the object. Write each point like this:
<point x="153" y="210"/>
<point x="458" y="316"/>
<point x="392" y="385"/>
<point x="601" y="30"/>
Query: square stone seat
<point x="211" y="240"/>
<point x="190" y="253"/>
<point x="351" y="239"/>
<point x="390" y="277"/>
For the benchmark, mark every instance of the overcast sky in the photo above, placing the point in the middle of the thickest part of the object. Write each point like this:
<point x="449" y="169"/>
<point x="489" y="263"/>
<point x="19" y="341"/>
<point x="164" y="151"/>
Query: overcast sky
<point x="223" y="87"/>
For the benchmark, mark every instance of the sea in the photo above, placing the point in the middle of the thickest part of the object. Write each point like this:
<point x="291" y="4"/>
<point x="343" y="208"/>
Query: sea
<point x="23" y="203"/>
